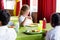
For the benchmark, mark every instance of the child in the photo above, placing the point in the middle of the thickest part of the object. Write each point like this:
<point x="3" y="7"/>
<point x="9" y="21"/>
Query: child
<point x="54" y="34"/>
<point x="24" y="19"/>
<point x="5" y="32"/>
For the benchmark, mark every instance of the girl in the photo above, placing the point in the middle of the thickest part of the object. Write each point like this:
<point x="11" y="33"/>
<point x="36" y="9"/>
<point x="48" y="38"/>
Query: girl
<point x="24" y="18"/>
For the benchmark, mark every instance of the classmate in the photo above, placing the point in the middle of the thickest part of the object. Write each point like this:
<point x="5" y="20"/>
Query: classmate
<point x="54" y="34"/>
<point x="5" y="32"/>
<point x="24" y="19"/>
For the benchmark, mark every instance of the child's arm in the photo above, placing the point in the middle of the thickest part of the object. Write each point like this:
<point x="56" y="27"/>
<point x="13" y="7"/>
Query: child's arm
<point x="22" y="24"/>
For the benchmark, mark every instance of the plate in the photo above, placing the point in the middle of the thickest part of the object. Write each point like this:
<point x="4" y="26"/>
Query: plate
<point x="29" y="32"/>
<point x="33" y="25"/>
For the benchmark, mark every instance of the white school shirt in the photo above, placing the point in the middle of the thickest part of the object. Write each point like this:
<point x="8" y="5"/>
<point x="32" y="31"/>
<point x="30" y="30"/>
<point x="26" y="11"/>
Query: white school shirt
<point x="27" y="22"/>
<point x="53" y="34"/>
<point x="7" y="33"/>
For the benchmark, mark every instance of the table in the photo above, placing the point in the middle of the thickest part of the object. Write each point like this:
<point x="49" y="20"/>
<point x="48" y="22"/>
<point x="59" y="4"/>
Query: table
<point x="22" y="36"/>
<point x="14" y="19"/>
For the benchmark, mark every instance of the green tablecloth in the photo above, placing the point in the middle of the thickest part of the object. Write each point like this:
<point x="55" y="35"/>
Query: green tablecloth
<point x="22" y="36"/>
<point x="14" y="19"/>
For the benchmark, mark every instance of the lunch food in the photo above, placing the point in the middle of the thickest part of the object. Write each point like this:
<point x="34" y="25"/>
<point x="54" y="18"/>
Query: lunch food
<point x="33" y="25"/>
<point x="33" y="30"/>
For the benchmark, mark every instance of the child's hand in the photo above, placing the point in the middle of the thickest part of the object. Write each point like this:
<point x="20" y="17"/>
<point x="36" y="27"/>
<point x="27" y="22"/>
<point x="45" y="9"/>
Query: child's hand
<point x="29" y="17"/>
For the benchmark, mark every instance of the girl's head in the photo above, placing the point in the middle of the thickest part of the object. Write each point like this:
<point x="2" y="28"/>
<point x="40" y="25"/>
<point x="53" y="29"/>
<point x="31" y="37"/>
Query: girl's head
<point x="55" y="19"/>
<point x="24" y="10"/>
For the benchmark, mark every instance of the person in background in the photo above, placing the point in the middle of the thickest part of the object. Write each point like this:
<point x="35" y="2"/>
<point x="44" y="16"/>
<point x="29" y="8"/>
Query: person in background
<point x="54" y="34"/>
<point x="5" y="32"/>
<point x="24" y="18"/>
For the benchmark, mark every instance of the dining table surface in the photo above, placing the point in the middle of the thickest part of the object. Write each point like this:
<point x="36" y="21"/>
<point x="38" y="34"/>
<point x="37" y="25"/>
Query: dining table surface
<point x="22" y="36"/>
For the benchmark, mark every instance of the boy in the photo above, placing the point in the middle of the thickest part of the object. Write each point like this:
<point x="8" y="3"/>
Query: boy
<point x="54" y="34"/>
<point x="5" y="32"/>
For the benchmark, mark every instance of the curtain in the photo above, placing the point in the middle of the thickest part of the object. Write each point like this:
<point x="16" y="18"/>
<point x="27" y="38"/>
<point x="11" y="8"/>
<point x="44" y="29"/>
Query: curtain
<point x="45" y="9"/>
<point x="26" y="2"/>
<point x="1" y="4"/>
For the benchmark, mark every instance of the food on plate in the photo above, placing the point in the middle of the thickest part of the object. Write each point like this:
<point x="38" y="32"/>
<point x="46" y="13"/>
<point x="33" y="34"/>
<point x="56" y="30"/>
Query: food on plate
<point x="38" y="30"/>
<point x="35" y="30"/>
<point x="11" y="26"/>
<point x="28" y="31"/>
<point x="34" y="24"/>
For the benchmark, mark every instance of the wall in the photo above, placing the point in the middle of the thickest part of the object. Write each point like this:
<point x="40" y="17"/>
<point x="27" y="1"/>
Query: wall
<point x="33" y="5"/>
<point x="10" y="4"/>
<point x="57" y="5"/>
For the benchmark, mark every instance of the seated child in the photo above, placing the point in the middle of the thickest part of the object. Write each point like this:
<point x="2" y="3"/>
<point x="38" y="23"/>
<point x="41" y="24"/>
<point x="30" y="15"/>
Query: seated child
<point x="24" y="19"/>
<point x="5" y="32"/>
<point x="54" y="34"/>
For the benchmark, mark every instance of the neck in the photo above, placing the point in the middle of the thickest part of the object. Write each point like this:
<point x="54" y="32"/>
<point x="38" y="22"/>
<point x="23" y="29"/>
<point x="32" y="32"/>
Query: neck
<point x="0" y="25"/>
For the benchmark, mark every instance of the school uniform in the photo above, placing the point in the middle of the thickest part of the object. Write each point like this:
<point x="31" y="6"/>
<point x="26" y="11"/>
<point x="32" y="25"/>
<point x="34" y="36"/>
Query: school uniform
<point x="53" y="34"/>
<point x="7" y="33"/>
<point x="27" y="22"/>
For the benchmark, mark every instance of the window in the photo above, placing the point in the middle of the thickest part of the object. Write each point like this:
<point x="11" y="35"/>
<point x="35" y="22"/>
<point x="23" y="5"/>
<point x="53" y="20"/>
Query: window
<point x="9" y="4"/>
<point x="34" y="5"/>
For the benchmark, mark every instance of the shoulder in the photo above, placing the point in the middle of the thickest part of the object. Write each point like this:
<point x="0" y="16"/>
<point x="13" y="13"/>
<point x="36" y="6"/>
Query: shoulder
<point x="48" y="35"/>
<point x="50" y="32"/>
<point x="12" y="33"/>
<point x="11" y="30"/>
<point x="21" y="17"/>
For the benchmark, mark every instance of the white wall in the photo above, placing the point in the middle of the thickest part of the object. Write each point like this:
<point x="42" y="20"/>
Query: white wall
<point x="33" y="5"/>
<point x="10" y="4"/>
<point x="57" y="5"/>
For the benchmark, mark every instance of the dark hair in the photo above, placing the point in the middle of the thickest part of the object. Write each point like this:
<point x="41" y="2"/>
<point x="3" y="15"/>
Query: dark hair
<point x="4" y="17"/>
<point x="55" y="19"/>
